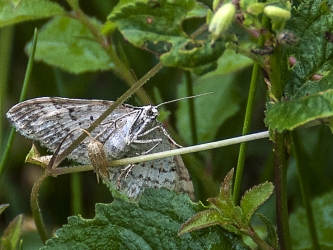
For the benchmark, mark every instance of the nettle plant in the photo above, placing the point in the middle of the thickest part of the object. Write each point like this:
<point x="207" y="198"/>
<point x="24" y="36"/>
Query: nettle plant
<point x="291" y="45"/>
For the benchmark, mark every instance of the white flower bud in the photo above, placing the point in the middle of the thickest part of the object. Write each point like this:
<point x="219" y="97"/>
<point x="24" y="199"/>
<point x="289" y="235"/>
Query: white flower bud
<point x="222" y="19"/>
<point x="277" y="13"/>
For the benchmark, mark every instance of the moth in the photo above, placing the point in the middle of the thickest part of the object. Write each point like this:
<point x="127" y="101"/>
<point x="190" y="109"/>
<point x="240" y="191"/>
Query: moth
<point x="128" y="131"/>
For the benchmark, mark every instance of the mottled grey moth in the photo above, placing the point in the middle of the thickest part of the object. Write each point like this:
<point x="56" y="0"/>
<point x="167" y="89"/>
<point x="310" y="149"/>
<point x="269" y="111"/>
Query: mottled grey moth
<point x="128" y="131"/>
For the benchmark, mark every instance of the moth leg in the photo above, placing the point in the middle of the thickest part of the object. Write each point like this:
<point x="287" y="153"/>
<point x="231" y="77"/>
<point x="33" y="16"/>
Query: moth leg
<point x="158" y="141"/>
<point x="165" y="132"/>
<point x="148" y="141"/>
<point x="126" y="170"/>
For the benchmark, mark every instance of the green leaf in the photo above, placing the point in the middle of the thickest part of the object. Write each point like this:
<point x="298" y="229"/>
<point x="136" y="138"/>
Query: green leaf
<point x="301" y="111"/>
<point x="254" y="198"/>
<point x="224" y="203"/>
<point x="26" y="10"/>
<point x="12" y="234"/>
<point x="323" y="214"/>
<point x="3" y="207"/>
<point x="220" y="106"/>
<point x="203" y="219"/>
<point x="226" y="209"/>
<point x="152" y="223"/>
<point x="271" y="231"/>
<point x="66" y="43"/>
<point x="306" y="100"/>
<point x="226" y="187"/>
<point x="156" y="27"/>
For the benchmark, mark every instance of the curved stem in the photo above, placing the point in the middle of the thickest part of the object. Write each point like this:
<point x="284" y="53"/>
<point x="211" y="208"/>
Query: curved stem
<point x="36" y="213"/>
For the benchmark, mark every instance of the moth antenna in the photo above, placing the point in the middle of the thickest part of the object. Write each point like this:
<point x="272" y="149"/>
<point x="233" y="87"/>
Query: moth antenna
<point x="183" y="98"/>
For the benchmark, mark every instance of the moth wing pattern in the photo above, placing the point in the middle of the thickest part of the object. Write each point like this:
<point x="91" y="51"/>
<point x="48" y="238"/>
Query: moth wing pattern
<point x="169" y="172"/>
<point x="49" y="120"/>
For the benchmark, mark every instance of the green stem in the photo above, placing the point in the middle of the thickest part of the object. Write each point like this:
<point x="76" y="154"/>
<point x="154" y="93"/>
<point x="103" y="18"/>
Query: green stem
<point x="76" y="190"/>
<point x="281" y="191"/>
<point x="6" y="38"/>
<point x="22" y="97"/>
<point x="179" y="151"/>
<point x="246" y="129"/>
<point x="304" y="190"/>
<point x="36" y="213"/>
<point x="193" y="124"/>
<point x="247" y="121"/>
<point x="278" y="64"/>
<point x="260" y="242"/>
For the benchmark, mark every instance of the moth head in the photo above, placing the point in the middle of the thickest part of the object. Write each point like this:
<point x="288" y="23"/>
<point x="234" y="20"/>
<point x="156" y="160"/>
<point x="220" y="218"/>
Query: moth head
<point x="152" y="112"/>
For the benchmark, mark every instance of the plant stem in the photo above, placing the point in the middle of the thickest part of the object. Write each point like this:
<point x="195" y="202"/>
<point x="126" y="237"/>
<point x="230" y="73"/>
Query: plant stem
<point x="22" y="97"/>
<point x="36" y="213"/>
<point x="281" y="192"/>
<point x="76" y="191"/>
<point x="255" y="237"/>
<point x="247" y="121"/>
<point x="304" y="190"/>
<point x="6" y="38"/>
<point x="246" y="129"/>
<point x="193" y="123"/>
<point x="179" y="151"/>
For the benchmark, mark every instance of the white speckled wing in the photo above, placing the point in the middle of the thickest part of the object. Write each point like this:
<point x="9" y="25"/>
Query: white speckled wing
<point x="49" y="120"/>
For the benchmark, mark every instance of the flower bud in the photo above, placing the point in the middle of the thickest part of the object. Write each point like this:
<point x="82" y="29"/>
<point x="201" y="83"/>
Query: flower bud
<point x="278" y="15"/>
<point x="222" y="19"/>
<point x="255" y="8"/>
<point x="275" y="12"/>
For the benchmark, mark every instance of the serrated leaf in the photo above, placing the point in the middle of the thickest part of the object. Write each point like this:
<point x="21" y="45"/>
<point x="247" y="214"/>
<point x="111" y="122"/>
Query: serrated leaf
<point x="156" y="26"/>
<point x="12" y="234"/>
<point x="24" y="10"/>
<point x="152" y="223"/>
<point x="226" y="187"/>
<point x="224" y="202"/>
<point x="254" y="198"/>
<point x="271" y="231"/>
<point x="218" y="204"/>
<point x="203" y="219"/>
<point x="307" y="100"/>
<point x="323" y="213"/>
<point x="66" y="43"/>
<point x="301" y="111"/>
